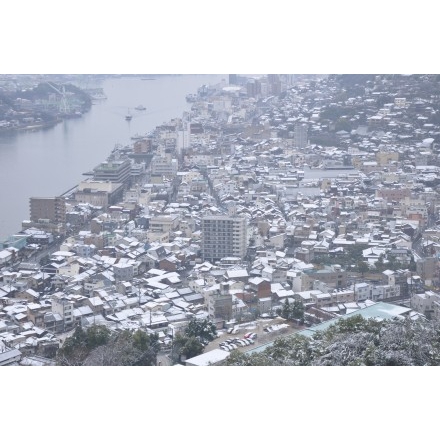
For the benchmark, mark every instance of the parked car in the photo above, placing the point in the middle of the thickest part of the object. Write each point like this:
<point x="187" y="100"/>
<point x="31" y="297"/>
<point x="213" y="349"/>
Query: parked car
<point x="247" y="335"/>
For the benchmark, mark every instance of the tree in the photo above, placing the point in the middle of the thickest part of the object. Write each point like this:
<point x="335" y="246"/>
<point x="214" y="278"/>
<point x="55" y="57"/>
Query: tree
<point x="241" y="359"/>
<point x="74" y="350"/>
<point x="354" y="341"/>
<point x="294" y="310"/>
<point x="98" y="346"/>
<point x="380" y="263"/>
<point x="126" y="349"/>
<point x="184" y="345"/>
<point x="202" y="329"/>
<point x="294" y="350"/>
<point x="147" y="346"/>
<point x="118" y="352"/>
<point x="193" y="347"/>
<point x="297" y="310"/>
<point x="285" y="311"/>
<point x="362" y="267"/>
<point x="412" y="265"/>
<point x="97" y="335"/>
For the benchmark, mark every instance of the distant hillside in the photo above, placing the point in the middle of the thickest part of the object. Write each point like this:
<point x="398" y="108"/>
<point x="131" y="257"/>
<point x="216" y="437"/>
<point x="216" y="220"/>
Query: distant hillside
<point x="351" y="80"/>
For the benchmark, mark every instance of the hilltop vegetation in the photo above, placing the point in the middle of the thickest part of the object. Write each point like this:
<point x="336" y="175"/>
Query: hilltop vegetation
<point x="97" y="346"/>
<point x="354" y="341"/>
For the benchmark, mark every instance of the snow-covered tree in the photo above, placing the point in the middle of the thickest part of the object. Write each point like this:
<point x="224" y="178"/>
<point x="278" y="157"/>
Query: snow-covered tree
<point x="354" y="341"/>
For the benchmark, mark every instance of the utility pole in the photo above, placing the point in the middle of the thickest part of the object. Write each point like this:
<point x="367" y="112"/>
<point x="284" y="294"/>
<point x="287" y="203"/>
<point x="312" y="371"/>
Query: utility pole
<point x="172" y="344"/>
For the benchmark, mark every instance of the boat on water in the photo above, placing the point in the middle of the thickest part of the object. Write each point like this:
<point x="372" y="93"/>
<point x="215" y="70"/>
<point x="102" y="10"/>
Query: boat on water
<point x="138" y="137"/>
<point x="140" y="107"/>
<point x="128" y="116"/>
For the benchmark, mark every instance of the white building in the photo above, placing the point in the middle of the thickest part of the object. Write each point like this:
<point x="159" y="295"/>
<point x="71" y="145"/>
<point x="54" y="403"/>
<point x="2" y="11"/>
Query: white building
<point x="64" y="308"/>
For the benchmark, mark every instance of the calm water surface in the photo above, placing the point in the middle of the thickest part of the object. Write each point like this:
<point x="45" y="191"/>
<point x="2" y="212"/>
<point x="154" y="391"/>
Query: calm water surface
<point x="47" y="163"/>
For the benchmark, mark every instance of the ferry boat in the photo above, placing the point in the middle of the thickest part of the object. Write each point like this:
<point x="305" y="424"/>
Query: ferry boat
<point x="140" y="107"/>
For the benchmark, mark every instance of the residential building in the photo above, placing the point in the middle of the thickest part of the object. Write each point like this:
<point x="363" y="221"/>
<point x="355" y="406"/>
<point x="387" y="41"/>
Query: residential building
<point x="63" y="307"/>
<point x="300" y="135"/>
<point x="220" y="306"/>
<point x="223" y="236"/>
<point x="164" y="166"/>
<point x="123" y="271"/>
<point x="380" y="293"/>
<point x="52" y="209"/>
<point x="332" y="275"/>
<point x="425" y="302"/>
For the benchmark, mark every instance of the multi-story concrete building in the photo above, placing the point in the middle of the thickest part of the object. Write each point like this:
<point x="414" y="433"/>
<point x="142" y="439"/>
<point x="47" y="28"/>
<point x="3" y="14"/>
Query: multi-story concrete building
<point x="48" y="208"/>
<point x="220" y="306"/>
<point x="426" y="302"/>
<point x="123" y="271"/>
<point x="362" y="291"/>
<point x="393" y="194"/>
<point x="64" y="308"/>
<point x="380" y="293"/>
<point x="165" y="166"/>
<point x="334" y="276"/>
<point x="113" y="171"/>
<point x="223" y="236"/>
<point x="99" y="193"/>
<point x="164" y="223"/>
<point x="300" y="135"/>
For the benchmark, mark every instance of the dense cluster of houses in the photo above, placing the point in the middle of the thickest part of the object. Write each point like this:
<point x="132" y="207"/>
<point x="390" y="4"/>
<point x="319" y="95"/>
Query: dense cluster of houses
<point x="317" y="171"/>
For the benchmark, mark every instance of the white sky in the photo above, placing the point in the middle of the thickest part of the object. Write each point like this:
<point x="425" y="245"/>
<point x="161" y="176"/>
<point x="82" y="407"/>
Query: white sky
<point x="228" y="37"/>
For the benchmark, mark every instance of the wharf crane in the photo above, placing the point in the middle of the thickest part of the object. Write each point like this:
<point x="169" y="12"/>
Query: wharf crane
<point x="63" y="105"/>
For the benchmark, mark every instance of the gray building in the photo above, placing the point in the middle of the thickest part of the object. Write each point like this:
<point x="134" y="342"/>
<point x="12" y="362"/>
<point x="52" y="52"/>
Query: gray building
<point x="223" y="236"/>
<point x="300" y="135"/>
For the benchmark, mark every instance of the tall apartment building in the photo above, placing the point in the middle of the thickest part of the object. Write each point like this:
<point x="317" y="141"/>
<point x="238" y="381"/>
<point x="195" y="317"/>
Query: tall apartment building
<point x="223" y="236"/>
<point x="48" y="208"/>
<point x="253" y="87"/>
<point x="300" y="135"/>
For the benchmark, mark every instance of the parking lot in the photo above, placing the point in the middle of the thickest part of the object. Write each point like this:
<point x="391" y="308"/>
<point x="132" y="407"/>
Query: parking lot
<point x="257" y="327"/>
